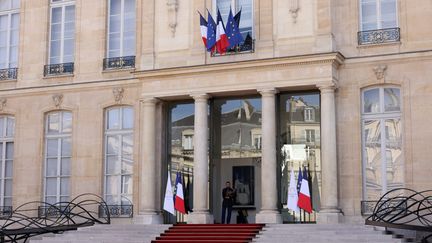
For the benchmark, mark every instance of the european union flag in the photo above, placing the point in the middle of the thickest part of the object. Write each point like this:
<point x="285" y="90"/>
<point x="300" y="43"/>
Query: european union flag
<point x="211" y="33"/>
<point x="233" y="31"/>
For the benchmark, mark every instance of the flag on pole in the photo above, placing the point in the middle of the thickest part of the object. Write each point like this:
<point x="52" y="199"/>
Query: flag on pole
<point x="221" y="38"/>
<point x="203" y="27"/>
<point x="179" y="204"/>
<point x="293" y="194"/>
<point x="237" y="18"/>
<point x="211" y="33"/>
<point x="316" y="199"/>
<point x="299" y="179"/>
<point x="304" y="200"/>
<point x="233" y="32"/>
<point x="169" y="200"/>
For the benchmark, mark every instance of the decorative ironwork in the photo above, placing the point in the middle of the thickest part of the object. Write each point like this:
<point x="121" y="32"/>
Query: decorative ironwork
<point x="119" y="62"/>
<point x="378" y="36"/>
<point x="367" y="207"/>
<point x="26" y="221"/>
<point x="8" y="73"/>
<point x="117" y="211"/>
<point x="404" y="209"/>
<point x="59" y="69"/>
<point x="248" y="46"/>
<point x="5" y="212"/>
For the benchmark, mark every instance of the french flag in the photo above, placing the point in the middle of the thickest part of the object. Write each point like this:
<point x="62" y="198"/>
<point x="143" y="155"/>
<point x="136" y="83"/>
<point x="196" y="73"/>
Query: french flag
<point x="222" y="42"/>
<point x="179" y="203"/>
<point x="203" y="27"/>
<point x="304" y="198"/>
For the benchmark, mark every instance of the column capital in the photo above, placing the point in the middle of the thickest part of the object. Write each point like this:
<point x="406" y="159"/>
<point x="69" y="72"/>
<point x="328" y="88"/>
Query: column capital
<point x="203" y="97"/>
<point x="268" y="91"/>
<point x="328" y="87"/>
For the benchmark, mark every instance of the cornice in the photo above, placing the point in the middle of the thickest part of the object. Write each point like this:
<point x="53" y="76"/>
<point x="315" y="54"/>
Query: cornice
<point x="334" y="58"/>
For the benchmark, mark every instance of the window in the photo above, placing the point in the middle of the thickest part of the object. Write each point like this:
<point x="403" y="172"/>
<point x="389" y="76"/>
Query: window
<point x="378" y="14"/>
<point x="309" y="114"/>
<point x="310" y="135"/>
<point x="118" y="155"/>
<point x="121" y="28"/>
<point x="9" y="37"/>
<point x="382" y="141"/>
<point x="256" y="139"/>
<point x="58" y="154"/>
<point x="7" y="127"/>
<point x="62" y="32"/>
<point x="188" y="139"/>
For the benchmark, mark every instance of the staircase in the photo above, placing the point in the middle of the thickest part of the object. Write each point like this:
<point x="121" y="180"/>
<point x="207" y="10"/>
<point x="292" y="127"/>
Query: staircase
<point x="336" y="233"/>
<point x="204" y="233"/>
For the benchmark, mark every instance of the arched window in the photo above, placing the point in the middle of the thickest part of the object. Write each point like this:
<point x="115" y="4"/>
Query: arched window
<point x="381" y="141"/>
<point x="118" y="155"/>
<point x="7" y="127"/>
<point x="58" y="154"/>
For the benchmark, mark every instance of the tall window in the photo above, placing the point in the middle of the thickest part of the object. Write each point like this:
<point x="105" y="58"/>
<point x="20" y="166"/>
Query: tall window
<point x="118" y="155"/>
<point x="58" y="152"/>
<point x="7" y="127"/>
<point x="246" y="7"/>
<point x="121" y="28"/>
<point x="382" y="141"/>
<point x="62" y="32"/>
<point x="378" y="14"/>
<point x="9" y="33"/>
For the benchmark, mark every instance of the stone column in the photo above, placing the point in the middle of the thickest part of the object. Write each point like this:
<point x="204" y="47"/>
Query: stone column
<point x="148" y="209"/>
<point x="268" y="212"/>
<point x="201" y="213"/>
<point x="329" y="212"/>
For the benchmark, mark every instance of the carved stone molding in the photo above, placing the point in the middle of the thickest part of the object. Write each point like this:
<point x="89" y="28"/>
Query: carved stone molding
<point x="294" y="7"/>
<point x="380" y="71"/>
<point x="58" y="100"/>
<point x="172" y="15"/>
<point x="118" y="94"/>
<point x="3" y="102"/>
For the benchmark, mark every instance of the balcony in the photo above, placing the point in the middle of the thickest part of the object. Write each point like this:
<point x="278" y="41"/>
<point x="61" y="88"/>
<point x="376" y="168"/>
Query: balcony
<point x="5" y="212"/>
<point x="8" y="73"/>
<point x="373" y="37"/>
<point x="248" y="46"/>
<point x="59" y="69"/>
<point x="119" y="62"/>
<point x="117" y="211"/>
<point x="53" y="211"/>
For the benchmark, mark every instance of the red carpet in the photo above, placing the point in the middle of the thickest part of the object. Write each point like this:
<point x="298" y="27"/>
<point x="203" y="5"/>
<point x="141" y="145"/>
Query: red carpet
<point x="204" y="233"/>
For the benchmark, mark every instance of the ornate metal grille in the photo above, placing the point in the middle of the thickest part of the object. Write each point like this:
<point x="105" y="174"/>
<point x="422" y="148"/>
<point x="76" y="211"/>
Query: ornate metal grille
<point x="247" y="47"/>
<point x="117" y="211"/>
<point x="5" y="212"/>
<point x="8" y="73"/>
<point x="378" y="36"/>
<point x="59" y="69"/>
<point x="53" y="211"/>
<point x="119" y="62"/>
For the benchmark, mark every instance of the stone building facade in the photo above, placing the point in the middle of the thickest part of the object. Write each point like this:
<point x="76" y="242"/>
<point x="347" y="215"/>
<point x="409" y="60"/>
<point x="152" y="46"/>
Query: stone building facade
<point x="107" y="96"/>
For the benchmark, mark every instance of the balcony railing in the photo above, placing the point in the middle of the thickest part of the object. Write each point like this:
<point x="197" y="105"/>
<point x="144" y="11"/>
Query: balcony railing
<point x="247" y="47"/>
<point x="59" y="69"/>
<point x="8" y="73"/>
<point x="117" y="211"/>
<point x="381" y="36"/>
<point x="53" y="211"/>
<point x="119" y="62"/>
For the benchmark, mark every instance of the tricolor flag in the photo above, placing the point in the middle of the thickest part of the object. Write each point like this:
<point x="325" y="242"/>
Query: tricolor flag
<point x="221" y="38"/>
<point x="179" y="204"/>
<point x="203" y="27"/>
<point x="169" y="200"/>
<point x="293" y="194"/>
<point x="233" y="32"/>
<point x="211" y="33"/>
<point x="299" y="179"/>
<point x="304" y="200"/>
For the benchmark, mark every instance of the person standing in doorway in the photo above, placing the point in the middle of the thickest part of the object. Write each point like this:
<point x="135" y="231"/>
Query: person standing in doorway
<point x="228" y="195"/>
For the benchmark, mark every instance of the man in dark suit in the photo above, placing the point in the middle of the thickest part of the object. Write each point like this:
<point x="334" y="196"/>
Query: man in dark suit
<point x="228" y="195"/>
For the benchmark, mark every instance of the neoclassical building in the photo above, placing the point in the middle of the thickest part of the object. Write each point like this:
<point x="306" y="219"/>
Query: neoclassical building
<point x="109" y="96"/>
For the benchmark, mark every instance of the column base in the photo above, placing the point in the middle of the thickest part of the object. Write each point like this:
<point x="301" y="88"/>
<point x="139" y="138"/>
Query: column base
<point x="200" y="218"/>
<point x="268" y="217"/>
<point x="148" y="218"/>
<point x="330" y="216"/>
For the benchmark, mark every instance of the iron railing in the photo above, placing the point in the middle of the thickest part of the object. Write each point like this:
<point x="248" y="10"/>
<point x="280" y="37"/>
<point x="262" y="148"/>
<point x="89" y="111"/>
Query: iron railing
<point x="378" y="36"/>
<point x="24" y="222"/>
<point x="59" y="69"/>
<point x="119" y="62"/>
<point x="8" y="73"/>
<point x="405" y="209"/>
<point x="247" y="47"/>
<point x="5" y="212"/>
<point x="117" y="211"/>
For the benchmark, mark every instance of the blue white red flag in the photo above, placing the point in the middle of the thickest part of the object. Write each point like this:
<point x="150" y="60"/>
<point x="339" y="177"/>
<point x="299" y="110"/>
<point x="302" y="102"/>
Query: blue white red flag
<point x="221" y="38"/>
<point x="179" y="203"/>
<point x="304" y="199"/>
<point x="203" y="28"/>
